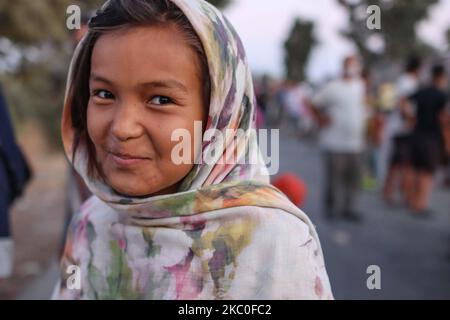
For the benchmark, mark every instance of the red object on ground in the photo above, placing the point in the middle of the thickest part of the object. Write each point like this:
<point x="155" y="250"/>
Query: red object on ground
<point x="293" y="187"/>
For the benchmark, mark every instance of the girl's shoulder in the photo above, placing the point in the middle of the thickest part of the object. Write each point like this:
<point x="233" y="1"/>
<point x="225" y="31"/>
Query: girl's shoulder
<point x="270" y="224"/>
<point x="285" y="253"/>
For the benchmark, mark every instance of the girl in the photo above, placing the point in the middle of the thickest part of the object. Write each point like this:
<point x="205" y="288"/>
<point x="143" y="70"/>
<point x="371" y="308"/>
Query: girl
<point x="155" y="229"/>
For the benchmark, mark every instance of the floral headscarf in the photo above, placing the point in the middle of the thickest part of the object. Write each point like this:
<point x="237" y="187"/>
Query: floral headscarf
<point x="219" y="236"/>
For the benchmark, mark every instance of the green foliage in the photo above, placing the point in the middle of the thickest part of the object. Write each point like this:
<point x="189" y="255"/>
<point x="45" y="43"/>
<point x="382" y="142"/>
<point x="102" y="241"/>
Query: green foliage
<point x="30" y="22"/>
<point x="298" y="47"/>
<point x="38" y="32"/>
<point x="35" y="89"/>
<point x="399" y="19"/>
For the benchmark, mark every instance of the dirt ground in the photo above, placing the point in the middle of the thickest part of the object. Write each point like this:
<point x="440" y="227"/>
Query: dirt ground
<point x="37" y="218"/>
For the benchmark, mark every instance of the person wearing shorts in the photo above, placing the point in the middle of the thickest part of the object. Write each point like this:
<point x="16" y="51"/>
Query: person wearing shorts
<point x="427" y="140"/>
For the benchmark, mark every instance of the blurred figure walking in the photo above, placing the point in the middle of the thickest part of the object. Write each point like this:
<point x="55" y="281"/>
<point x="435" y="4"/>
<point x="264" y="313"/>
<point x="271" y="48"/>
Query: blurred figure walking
<point x="399" y="128"/>
<point x="341" y="112"/>
<point x="428" y="146"/>
<point x="446" y="131"/>
<point x="14" y="175"/>
<point x="374" y="133"/>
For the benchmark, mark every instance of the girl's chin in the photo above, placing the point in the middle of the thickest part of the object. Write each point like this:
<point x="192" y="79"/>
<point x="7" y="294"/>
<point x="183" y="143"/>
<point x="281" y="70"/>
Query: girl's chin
<point x="127" y="186"/>
<point x="132" y="183"/>
<point x="132" y="189"/>
<point x="133" y="192"/>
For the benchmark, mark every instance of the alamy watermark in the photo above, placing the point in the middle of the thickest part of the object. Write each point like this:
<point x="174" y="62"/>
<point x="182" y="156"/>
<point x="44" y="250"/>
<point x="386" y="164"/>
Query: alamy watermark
<point x="73" y="282"/>
<point x="73" y="21"/>
<point x="373" y="21"/>
<point x="374" y="280"/>
<point x="223" y="147"/>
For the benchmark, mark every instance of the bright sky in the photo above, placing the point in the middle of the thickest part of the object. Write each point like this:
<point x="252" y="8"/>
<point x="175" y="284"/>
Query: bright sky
<point x="264" y="25"/>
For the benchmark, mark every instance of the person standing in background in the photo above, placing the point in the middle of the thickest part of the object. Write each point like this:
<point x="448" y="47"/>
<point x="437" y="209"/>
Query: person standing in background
<point x="428" y="146"/>
<point x="14" y="175"/>
<point x="446" y="134"/>
<point x="399" y="134"/>
<point x="341" y="110"/>
<point x="374" y="133"/>
<point x="447" y="149"/>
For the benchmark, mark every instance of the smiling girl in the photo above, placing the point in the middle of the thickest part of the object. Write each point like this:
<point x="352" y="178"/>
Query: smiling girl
<point x="159" y="230"/>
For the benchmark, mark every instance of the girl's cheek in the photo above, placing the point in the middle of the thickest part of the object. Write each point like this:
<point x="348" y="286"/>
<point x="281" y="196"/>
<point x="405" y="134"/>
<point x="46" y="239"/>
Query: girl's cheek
<point x="96" y="124"/>
<point x="91" y="119"/>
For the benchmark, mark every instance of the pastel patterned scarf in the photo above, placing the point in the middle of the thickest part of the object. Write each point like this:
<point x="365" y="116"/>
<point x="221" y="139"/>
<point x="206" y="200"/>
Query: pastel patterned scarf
<point x="227" y="233"/>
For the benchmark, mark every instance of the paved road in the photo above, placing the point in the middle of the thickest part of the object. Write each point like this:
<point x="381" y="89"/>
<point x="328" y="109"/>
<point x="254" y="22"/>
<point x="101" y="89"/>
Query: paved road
<point x="413" y="253"/>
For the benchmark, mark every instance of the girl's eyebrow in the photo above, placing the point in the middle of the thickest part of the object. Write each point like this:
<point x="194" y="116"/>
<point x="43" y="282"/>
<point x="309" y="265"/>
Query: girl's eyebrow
<point x="97" y="78"/>
<point x="166" y="84"/>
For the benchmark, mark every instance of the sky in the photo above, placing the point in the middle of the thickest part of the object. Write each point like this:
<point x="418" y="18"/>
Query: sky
<point x="264" y="25"/>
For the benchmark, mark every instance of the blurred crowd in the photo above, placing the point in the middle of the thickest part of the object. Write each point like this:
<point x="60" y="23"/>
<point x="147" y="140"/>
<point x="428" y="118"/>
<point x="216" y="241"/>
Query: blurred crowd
<point x="388" y="136"/>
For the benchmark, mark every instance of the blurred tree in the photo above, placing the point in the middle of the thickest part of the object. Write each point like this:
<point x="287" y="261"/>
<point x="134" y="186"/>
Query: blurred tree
<point x="30" y="22"/>
<point x="397" y="35"/>
<point x="36" y="31"/>
<point x="297" y="48"/>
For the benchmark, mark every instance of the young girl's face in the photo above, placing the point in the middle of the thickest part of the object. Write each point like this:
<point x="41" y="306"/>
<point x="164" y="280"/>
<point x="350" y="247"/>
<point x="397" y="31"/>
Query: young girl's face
<point x="144" y="84"/>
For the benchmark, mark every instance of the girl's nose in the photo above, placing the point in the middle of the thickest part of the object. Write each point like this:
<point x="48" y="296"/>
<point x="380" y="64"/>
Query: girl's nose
<point x="126" y="124"/>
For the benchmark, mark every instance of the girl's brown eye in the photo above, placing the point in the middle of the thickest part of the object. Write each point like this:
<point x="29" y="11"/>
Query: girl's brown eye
<point x="103" y="94"/>
<point x="161" y="100"/>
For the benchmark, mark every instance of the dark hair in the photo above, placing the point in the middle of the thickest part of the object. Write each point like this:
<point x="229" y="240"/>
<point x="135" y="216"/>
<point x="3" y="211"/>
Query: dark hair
<point x="437" y="71"/>
<point x="116" y="15"/>
<point x="413" y="64"/>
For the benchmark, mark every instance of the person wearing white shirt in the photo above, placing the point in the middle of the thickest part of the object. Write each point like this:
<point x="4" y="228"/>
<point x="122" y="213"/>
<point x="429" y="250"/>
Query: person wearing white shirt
<point x="341" y="110"/>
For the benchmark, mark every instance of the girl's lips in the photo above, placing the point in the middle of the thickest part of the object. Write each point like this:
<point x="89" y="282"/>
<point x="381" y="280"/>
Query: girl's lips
<point x="127" y="161"/>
